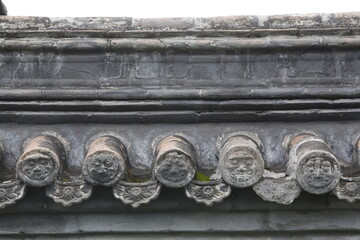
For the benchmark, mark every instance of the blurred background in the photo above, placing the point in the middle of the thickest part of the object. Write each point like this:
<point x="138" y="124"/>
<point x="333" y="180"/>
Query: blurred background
<point x="173" y="8"/>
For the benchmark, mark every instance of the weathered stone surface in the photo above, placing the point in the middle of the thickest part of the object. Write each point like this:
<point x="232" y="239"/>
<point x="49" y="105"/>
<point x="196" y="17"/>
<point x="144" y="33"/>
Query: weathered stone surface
<point x="104" y="163"/>
<point x="69" y="192"/>
<point x="241" y="163"/>
<point x="136" y="194"/>
<point x="114" y="88"/>
<point x="41" y="161"/>
<point x="207" y="193"/>
<point x="317" y="169"/>
<point x="175" y="161"/>
<point x="348" y="190"/>
<point x="11" y="191"/>
<point x="279" y="190"/>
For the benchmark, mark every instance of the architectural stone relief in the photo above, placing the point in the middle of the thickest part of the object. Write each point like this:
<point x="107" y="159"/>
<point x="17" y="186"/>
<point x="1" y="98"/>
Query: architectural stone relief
<point x="207" y="193"/>
<point x="175" y="161"/>
<point x="311" y="166"/>
<point x="69" y="192"/>
<point x="41" y="160"/>
<point x="104" y="163"/>
<point x="348" y="190"/>
<point x="241" y="163"/>
<point x="317" y="169"/>
<point x="280" y="190"/>
<point x="349" y="186"/>
<point x="136" y="194"/>
<point x="11" y="189"/>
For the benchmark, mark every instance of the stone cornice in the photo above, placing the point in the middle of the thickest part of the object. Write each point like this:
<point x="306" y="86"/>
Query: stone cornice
<point x="205" y="105"/>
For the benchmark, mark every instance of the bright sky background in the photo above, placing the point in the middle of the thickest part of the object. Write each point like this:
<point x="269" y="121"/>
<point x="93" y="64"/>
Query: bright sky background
<point x="174" y="8"/>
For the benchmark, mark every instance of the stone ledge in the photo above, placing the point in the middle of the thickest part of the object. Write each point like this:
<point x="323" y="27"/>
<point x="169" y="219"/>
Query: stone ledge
<point x="332" y="21"/>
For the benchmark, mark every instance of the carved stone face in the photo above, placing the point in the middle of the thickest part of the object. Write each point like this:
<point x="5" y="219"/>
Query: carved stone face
<point x="318" y="172"/>
<point x="175" y="170"/>
<point x="241" y="169"/>
<point x="103" y="168"/>
<point x="241" y="166"/>
<point x="37" y="166"/>
<point x="318" y="175"/>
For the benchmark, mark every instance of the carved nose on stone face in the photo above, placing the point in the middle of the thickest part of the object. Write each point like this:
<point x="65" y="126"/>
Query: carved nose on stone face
<point x="51" y="152"/>
<point x="308" y="148"/>
<point x="240" y="146"/>
<point x="111" y="150"/>
<point x="169" y="151"/>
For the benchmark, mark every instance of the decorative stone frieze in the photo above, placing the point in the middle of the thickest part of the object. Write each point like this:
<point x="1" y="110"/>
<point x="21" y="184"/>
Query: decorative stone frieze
<point x="317" y="169"/>
<point x="104" y="163"/>
<point x="235" y="97"/>
<point x="41" y="161"/>
<point x="175" y="163"/>
<point x="207" y="192"/>
<point x="241" y="163"/>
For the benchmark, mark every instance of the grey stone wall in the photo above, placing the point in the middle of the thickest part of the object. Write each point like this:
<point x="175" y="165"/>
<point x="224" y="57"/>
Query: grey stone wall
<point x="100" y="113"/>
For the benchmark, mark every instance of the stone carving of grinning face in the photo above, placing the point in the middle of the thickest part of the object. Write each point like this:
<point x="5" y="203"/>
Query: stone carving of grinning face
<point x="240" y="169"/>
<point x="318" y="172"/>
<point x="241" y="166"/>
<point x="103" y="168"/>
<point x="174" y="167"/>
<point x="37" y="166"/>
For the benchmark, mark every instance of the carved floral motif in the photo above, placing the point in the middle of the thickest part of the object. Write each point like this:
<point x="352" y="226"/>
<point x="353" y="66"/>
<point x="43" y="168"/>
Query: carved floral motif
<point x="348" y="190"/>
<point x="69" y="193"/>
<point x="207" y="193"/>
<point x="10" y="192"/>
<point x="135" y="194"/>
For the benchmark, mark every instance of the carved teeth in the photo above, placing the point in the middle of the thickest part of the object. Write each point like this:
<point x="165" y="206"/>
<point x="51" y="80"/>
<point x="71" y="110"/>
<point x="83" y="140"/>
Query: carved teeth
<point x="39" y="165"/>
<point x="241" y="163"/>
<point x="104" y="163"/>
<point x="175" y="162"/>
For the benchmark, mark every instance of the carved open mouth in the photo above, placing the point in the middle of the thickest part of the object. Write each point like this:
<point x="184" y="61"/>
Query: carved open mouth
<point x="319" y="181"/>
<point x="241" y="175"/>
<point x="174" y="176"/>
